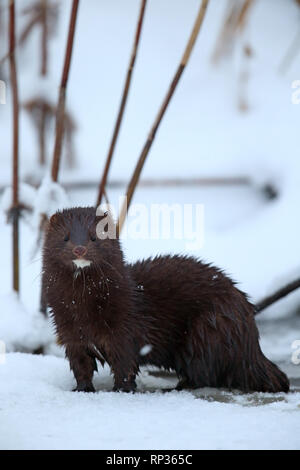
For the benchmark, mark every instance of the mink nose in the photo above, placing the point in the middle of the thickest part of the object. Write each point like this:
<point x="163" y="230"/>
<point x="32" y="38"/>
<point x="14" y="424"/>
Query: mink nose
<point x="79" y="250"/>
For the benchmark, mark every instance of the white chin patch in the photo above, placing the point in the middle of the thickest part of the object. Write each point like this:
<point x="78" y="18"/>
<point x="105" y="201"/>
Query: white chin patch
<point x="81" y="263"/>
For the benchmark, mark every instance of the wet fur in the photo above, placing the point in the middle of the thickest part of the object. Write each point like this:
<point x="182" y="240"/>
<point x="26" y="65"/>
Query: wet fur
<point x="195" y="319"/>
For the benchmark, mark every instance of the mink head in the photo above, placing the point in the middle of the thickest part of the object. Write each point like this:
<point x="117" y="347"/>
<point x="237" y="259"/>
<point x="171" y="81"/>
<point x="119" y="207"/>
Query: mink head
<point x="77" y="238"/>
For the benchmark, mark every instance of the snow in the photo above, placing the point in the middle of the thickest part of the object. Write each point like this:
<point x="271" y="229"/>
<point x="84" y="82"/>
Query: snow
<point x="27" y="195"/>
<point x="145" y="350"/>
<point x="203" y="134"/>
<point x="50" y="198"/>
<point x="22" y="330"/>
<point x="38" y="411"/>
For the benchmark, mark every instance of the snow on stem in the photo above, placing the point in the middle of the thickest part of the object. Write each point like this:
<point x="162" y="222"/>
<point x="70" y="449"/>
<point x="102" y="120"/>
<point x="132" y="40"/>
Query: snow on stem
<point x="123" y="102"/>
<point x="141" y="161"/>
<point x="14" y="212"/>
<point x="60" y="112"/>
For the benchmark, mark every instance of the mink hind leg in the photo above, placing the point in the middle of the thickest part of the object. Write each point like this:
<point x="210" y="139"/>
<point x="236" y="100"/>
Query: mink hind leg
<point x="185" y="384"/>
<point x="83" y="366"/>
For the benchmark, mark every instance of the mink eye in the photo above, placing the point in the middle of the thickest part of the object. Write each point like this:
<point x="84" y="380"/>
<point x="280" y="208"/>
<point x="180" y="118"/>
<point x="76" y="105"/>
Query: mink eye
<point x="67" y="238"/>
<point x="93" y="238"/>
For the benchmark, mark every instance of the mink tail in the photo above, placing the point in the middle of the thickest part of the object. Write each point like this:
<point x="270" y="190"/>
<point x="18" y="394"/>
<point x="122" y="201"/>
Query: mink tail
<point x="223" y="351"/>
<point x="257" y="375"/>
<point x="262" y="376"/>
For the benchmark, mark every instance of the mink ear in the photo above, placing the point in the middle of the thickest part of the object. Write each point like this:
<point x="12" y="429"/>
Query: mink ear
<point x="53" y="219"/>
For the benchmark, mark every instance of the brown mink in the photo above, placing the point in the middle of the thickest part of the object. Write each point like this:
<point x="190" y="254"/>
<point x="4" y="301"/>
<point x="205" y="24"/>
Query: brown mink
<point x="174" y="312"/>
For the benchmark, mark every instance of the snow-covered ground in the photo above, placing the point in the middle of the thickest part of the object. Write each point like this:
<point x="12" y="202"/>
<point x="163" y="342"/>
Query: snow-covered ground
<point x="38" y="411"/>
<point x="203" y="135"/>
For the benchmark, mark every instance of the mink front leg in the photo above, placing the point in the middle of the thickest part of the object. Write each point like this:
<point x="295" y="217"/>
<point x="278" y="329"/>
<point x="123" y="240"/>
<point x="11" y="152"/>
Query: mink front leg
<point x="124" y="366"/>
<point x="124" y="382"/>
<point x="83" y="366"/>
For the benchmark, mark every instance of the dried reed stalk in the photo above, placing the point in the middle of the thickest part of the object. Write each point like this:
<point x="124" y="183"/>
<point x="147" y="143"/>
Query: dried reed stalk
<point x="283" y="292"/>
<point x="123" y="102"/>
<point x="291" y="54"/>
<point x="44" y="58"/>
<point x="43" y="14"/>
<point x="235" y="20"/>
<point x="243" y="14"/>
<point x="41" y="113"/>
<point x="141" y="161"/>
<point x="161" y="182"/>
<point x="60" y="112"/>
<point x="14" y="212"/>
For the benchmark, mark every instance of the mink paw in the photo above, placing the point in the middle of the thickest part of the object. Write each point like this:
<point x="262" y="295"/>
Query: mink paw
<point x="84" y="387"/>
<point x="127" y="387"/>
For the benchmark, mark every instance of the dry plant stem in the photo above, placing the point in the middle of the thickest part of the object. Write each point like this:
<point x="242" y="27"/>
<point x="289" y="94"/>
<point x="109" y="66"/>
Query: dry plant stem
<point x="138" y="169"/>
<point x="243" y="14"/>
<point x="154" y="183"/>
<point x="43" y="297"/>
<point x="44" y="40"/>
<point x="42" y="14"/>
<point x="123" y="102"/>
<point x="60" y="113"/>
<point x="7" y="55"/>
<point x="105" y="197"/>
<point x="284" y="291"/>
<point x="15" y="182"/>
<point x="235" y="20"/>
<point x="41" y="112"/>
<point x="42" y="143"/>
<point x="226" y="33"/>
<point x="291" y="54"/>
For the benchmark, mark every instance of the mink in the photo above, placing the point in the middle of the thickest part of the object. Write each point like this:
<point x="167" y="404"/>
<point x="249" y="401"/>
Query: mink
<point x="173" y="312"/>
